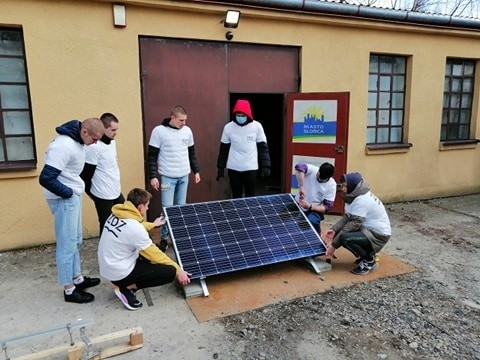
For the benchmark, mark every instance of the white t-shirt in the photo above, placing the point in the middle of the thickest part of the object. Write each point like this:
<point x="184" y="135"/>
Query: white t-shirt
<point x="372" y="210"/>
<point x="67" y="155"/>
<point x="119" y="246"/>
<point x="173" y="160"/>
<point x="317" y="191"/>
<point x="106" y="178"/>
<point x="243" y="154"/>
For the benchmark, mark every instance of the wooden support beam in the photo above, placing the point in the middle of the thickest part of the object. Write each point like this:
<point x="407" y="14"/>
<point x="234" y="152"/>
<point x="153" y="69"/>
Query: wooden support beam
<point x="75" y="352"/>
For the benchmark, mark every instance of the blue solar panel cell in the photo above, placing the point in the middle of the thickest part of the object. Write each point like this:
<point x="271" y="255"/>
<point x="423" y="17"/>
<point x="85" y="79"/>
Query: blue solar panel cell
<point x="217" y="237"/>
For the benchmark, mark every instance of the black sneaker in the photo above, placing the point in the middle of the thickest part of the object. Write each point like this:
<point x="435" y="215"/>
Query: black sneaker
<point x="128" y="298"/>
<point x="163" y="245"/>
<point x="79" y="296"/>
<point x="87" y="282"/>
<point x="364" y="267"/>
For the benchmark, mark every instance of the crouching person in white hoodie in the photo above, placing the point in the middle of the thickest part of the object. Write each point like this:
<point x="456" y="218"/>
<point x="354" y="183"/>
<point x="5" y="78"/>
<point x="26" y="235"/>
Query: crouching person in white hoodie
<point x="128" y="257"/>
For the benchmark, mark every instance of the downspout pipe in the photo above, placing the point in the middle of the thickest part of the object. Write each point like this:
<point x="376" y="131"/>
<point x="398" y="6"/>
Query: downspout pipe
<point x="358" y="11"/>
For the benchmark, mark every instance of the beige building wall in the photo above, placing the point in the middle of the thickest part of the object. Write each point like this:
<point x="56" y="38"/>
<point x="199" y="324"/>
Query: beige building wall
<point x="80" y="65"/>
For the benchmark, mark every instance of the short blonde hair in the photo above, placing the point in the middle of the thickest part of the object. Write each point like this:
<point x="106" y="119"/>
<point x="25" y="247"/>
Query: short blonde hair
<point x="178" y="110"/>
<point x="94" y="127"/>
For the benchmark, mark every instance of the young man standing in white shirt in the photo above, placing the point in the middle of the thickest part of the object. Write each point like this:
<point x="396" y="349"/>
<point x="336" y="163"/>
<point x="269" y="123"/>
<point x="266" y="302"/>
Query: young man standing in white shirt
<point x="63" y="189"/>
<point x="101" y="173"/>
<point x="171" y="158"/>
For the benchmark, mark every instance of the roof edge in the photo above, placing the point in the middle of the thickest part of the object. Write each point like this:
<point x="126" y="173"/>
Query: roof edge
<point x="358" y="11"/>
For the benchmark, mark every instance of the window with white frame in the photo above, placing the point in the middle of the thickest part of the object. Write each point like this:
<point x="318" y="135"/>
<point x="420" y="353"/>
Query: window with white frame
<point x="386" y="99"/>
<point x="457" y="100"/>
<point x="17" y="148"/>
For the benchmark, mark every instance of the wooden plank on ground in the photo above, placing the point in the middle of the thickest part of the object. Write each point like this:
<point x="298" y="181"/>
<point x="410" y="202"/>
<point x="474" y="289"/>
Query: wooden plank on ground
<point x="75" y="352"/>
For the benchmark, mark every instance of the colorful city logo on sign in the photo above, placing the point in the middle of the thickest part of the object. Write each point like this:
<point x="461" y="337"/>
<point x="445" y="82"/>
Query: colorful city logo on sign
<point x="314" y="121"/>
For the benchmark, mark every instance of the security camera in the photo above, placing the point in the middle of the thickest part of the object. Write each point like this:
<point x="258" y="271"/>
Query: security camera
<point x="229" y="35"/>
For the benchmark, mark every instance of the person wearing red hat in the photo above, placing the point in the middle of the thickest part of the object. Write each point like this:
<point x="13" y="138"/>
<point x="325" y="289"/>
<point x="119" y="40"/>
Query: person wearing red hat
<point x="243" y="149"/>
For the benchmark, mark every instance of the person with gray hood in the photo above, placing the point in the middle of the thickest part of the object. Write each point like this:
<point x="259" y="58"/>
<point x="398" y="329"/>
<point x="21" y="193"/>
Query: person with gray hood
<point x="365" y="227"/>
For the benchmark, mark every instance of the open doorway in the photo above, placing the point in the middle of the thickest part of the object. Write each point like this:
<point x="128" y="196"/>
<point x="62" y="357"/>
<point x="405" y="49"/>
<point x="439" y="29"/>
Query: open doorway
<point x="268" y="110"/>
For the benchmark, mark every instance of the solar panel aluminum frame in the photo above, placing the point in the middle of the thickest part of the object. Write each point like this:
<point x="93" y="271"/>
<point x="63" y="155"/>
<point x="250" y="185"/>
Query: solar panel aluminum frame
<point x="217" y="237"/>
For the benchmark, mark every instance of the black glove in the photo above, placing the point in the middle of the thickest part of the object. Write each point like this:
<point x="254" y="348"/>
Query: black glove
<point x="220" y="173"/>
<point x="265" y="171"/>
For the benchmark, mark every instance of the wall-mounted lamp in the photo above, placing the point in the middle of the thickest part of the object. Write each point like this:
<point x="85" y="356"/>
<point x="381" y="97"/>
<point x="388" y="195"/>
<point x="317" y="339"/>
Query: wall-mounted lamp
<point x="119" y="15"/>
<point x="232" y="18"/>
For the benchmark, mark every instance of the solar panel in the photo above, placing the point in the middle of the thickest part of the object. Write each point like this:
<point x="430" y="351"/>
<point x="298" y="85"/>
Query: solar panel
<point x="217" y="237"/>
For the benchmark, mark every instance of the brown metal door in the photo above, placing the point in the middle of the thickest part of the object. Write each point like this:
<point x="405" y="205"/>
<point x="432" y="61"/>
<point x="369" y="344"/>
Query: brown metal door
<point x="317" y="132"/>
<point x="262" y="69"/>
<point x="200" y="75"/>
<point x="192" y="74"/>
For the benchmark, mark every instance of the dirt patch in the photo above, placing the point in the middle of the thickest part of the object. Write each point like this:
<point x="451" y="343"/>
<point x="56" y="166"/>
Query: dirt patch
<point x="247" y="290"/>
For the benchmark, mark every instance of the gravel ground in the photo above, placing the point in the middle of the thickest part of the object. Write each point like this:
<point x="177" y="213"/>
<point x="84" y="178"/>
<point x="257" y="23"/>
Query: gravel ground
<point x="433" y="313"/>
<point x="406" y="317"/>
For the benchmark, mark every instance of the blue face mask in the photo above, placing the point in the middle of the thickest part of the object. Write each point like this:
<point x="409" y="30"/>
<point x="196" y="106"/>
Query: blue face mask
<point x="241" y="119"/>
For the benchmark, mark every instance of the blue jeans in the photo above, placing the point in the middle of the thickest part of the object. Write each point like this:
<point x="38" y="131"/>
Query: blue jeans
<point x="174" y="192"/>
<point x="315" y="219"/>
<point x="68" y="234"/>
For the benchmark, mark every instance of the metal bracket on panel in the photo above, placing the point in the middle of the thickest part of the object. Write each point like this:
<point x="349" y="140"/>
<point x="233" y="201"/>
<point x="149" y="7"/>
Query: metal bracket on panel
<point x="310" y="261"/>
<point x="318" y="265"/>
<point x="197" y="287"/>
<point x="204" y="287"/>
